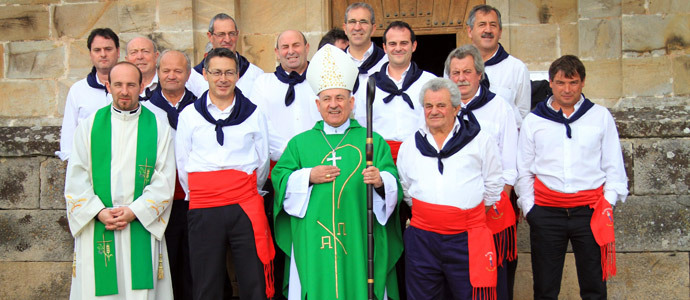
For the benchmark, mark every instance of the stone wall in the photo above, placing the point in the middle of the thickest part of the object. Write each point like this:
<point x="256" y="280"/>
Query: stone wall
<point x="637" y="54"/>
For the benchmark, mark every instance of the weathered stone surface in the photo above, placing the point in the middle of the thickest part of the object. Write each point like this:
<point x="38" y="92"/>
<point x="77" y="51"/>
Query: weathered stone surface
<point x="629" y="163"/>
<point x="603" y="78"/>
<point x="259" y="50"/>
<point x="653" y="223"/>
<point x="652" y="122"/>
<point x="26" y="22"/>
<point x="175" y="15"/>
<point x="666" y="6"/>
<point x="35" y="280"/>
<point x="79" y="61"/>
<point x="28" y="141"/>
<point x="53" y="184"/>
<point x="599" y="8"/>
<point x="77" y="20"/>
<point x="316" y="22"/>
<point x="632" y="7"/>
<point x="204" y="10"/>
<point x="643" y="33"/>
<point x="661" y="166"/>
<point x="136" y="16"/>
<point x="2" y="61"/>
<point x="641" y="76"/>
<point x="640" y="276"/>
<point x="542" y="12"/>
<point x="35" y="235"/>
<point x="19" y="182"/>
<point x="40" y="59"/>
<point x="200" y="41"/>
<point x="599" y="39"/>
<point x="271" y="15"/>
<point x="181" y="40"/>
<point x="34" y="98"/>
<point x="569" y="38"/>
<point x="681" y="75"/>
<point x="529" y="36"/>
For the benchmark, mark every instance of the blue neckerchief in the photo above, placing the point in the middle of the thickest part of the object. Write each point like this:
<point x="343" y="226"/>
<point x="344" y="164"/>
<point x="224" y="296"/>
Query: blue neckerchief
<point x="468" y="130"/>
<point x="501" y="54"/>
<point x="242" y="110"/>
<point x="369" y="63"/>
<point x="477" y="102"/>
<point x="244" y="65"/>
<point x="92" y="80"/>
<point x="173" y="113"/>
<point x="545" y="112"/>
<point x="293" y="79"/>
<point x="387" y="85"/>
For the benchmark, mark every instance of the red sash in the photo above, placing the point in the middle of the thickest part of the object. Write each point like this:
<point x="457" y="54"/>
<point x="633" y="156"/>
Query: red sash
<point x="501" y="220"/>
<point x="601" y="223"/>
<point x="395" y="147"/>
<point x="444" y="219"/>
<point x="226" y="187"/>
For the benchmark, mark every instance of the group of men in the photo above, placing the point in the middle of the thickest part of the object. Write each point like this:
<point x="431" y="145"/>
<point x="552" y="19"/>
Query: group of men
<point x="170" y="168"/>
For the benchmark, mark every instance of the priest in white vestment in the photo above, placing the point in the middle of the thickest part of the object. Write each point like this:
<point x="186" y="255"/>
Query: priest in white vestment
<point x="125" y="217"/>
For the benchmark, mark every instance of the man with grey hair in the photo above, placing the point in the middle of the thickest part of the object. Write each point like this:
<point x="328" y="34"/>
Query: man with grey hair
<point x="359" y="24"/>
<point x="450" y="173"/>
<point x="508" y="75"/>
<point x="166" y="102"/>
<point x="224" y="33"/>
<point x="143" y="53"/>
<point x="464" y="66"/>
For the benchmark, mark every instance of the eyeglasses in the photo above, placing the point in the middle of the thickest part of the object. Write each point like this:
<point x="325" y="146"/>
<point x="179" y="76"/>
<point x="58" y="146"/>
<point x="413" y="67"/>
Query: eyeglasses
<point x="218" y="73"/>
<point x="231" y="34"/>
<point x="361" y="22"/>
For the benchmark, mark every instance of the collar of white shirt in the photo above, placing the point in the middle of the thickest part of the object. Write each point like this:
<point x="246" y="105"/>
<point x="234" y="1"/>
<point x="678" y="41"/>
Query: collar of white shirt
<point x="328" y="129"/>
<point x="430" y="137"/>
<point x="366" y="54"/>
<point x="399" y="83"/>
<point x="178" y="102"/>
<point x="577" y="105"/>
<point x="216" y="112"/>
<point x="475" y="96"/>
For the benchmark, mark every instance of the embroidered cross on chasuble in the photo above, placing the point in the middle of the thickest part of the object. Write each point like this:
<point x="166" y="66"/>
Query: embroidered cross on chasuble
<point x="329" y="242"/>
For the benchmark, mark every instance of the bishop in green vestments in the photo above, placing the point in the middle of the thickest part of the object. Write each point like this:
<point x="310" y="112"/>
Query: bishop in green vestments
<point x="320" y="183"/>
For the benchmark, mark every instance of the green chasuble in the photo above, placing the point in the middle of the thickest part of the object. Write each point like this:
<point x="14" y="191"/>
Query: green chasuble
<point x="330" y="242"/>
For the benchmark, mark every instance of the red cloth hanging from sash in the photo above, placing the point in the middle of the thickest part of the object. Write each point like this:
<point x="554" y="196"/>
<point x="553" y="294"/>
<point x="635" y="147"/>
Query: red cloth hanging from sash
<point x="395" y="147"/>
<point x="601" y="223"/>
<point x="226" y="187"/>
<point x="179" y="191"/>
<point x="445" y="219"/>
<point x="501" y="221"/>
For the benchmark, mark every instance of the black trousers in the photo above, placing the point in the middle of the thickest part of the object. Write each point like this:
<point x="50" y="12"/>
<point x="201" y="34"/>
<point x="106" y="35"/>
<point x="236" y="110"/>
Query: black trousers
<point x="177" y="240"/>
<point x="550" y="230"/>
<point x="211" y="232"/>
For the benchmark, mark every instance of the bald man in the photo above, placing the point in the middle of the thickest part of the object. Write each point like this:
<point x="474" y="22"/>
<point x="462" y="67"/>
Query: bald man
<point x="143" y="53"/>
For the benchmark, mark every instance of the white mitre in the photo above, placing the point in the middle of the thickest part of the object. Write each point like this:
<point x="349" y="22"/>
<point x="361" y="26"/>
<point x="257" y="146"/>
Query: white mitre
<point x="331" y="68"/>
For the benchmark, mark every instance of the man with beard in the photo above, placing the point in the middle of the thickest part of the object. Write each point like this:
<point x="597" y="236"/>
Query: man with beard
<point x="89" y="94"/>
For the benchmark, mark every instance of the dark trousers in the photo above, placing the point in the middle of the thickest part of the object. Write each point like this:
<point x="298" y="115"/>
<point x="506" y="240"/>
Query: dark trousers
<point x="176" y="239"/>
<point x="279" y="260"/>
<point x="437" y="265"/>
<point x="211" y="232"/>
<point x="511" y="266"/>
<point x="550" y="230"/>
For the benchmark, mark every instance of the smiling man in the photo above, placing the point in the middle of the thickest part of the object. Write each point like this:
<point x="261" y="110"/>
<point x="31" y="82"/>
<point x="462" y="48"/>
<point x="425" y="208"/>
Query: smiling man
<point x="143" y="53"/>
<point x="89" y="94"/>
<point x="320" y="185"/>
<point x="119" y="184"/>
<point x="360" y="23"/>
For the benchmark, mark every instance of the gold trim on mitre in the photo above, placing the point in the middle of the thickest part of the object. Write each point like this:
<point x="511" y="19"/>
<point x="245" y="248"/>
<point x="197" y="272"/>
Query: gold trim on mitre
<point x="331" y="68"/>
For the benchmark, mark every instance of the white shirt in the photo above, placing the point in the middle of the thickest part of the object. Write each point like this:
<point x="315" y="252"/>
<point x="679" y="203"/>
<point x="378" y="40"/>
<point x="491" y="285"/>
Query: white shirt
<point x="245" y="145"/>
<point x="285" y="122"/>
<point x="394" y="120"/>
<point x="82" y="100"/>
<point x="163" y="115"/>
<point x="510" y="80"/>
<point x="590" y="158"/>
<point x="364" y="77"/>
<point x="470" y="176"/>
<point x="151" y="86"/>
<point x="496" y="119"/>
<point x="197" y="84"/>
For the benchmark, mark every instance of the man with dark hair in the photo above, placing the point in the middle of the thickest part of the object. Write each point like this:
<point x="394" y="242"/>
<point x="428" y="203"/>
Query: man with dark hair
<point x="119" y="184"/>
<point x="222" y="152"/>
<point x="335" y="37"/>
<point x="167" y="101"/>
<point x="571" y="174"/>
<point x="508" y="75"/>
<point x="223" y="32"/>
<point x="464" y="66"/>
<point x="89" y="94"/>
<point x="359" y="24"/>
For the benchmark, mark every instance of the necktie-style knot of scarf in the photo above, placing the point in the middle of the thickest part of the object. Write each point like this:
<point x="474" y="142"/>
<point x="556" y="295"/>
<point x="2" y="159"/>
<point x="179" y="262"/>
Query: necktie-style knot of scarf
<point x="545" y="112"/>
<point x="387" y="85"/>
<point x="172" y="112"/>
<point x="242" y="110"/>
<point x="291" y="79"/>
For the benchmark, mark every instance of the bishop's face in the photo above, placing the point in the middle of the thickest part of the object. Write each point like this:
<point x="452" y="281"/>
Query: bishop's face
<point x="335" y="106"/>
<point x="124" y="83"/>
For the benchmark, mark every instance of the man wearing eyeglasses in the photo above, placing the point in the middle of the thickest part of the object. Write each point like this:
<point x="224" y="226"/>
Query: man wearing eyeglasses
<point x="223" y="33"/>
<point x="359" y="25"/>
<point x="222" y="151"/>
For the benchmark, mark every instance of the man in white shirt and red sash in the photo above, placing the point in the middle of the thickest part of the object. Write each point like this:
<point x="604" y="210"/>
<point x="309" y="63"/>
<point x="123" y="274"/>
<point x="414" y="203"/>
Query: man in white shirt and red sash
<point x="360" y="23"/>
<point x="450" y="172"/>
<point x="571" y="173"/>
<point x="222" y="158"/>
<point x="465" y="67"/>
<point x="120" y="180"/>
<point x="167" y="101"/>
<point x="89" y="94"/>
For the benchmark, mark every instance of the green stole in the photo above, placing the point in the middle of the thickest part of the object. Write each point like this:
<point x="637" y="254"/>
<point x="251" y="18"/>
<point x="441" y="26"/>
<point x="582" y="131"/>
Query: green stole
<point x="105" y="267"/>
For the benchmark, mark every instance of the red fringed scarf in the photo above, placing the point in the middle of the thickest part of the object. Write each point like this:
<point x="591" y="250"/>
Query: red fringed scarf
<point x="501" y="220"/>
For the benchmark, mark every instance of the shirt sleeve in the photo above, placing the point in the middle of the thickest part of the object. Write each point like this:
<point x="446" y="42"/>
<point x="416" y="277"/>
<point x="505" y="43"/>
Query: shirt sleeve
<point x="261" y="141"/>
<point x="492" y="172"/>
<point x="523" y="99"/>
<point x="297" y="193"/>
<point x="525" y="159"/>
<point x="508" y="145"/>
<point x="69" y="125"/>
<point x="616" y="185"/>
<point x="383" y="208"/>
